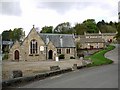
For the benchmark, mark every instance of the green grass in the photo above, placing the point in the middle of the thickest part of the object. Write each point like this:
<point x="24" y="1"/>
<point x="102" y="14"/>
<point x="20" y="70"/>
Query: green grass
<point x="98" y="57"/>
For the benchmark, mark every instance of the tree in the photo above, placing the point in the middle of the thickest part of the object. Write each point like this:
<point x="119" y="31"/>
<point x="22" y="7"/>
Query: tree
<point x="17" y="34"/>
<point x="64" y="28"/>
<point x="107" y="27"/>
<point x="14" y="35"/>
<point x="80" y="29"/>
<point x="118" y="33"/>
<point x="91" y="25"/>
<point x="6" y="35"/>
<point x="47" y="29"/>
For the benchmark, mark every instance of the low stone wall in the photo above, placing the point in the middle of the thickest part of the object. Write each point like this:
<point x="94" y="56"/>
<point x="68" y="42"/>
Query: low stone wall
<point x="22" y="80"/>
<point x="52" y="68"/>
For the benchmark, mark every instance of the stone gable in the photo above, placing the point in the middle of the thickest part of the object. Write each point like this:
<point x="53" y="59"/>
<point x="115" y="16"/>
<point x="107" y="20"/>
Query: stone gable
<point x="35" y="48"/>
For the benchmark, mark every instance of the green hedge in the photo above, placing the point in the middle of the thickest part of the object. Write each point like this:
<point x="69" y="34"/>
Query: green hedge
<point x="62" y="56"/>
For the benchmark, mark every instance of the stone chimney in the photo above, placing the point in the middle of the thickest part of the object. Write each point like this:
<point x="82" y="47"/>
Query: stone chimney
<point x="47" y="40"/>
<point x="61" y="41"/>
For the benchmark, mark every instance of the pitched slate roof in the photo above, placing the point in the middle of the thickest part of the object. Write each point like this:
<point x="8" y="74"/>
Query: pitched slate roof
<point x="92" y="40"/>
<point x="97" y="34"/>
<point x="59" y="40"/>
<point x="109" y="34"/>
<point x="93" y="34"/>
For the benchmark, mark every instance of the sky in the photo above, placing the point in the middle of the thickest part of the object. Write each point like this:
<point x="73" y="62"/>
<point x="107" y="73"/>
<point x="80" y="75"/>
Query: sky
<point x="26" y="13"/>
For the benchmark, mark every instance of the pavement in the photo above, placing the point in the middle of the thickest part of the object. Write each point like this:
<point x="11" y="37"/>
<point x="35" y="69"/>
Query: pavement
<point x="105" y="76"/>
<point x="32" y="68"/>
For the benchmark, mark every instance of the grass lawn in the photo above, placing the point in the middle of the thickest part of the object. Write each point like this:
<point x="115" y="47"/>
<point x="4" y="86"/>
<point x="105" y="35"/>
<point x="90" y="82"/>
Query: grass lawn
<point x="98" y="57"/>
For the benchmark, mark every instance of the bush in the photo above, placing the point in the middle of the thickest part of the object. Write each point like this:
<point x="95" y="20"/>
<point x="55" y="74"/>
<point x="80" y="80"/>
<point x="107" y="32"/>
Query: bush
<point x="72" y="57"/>
<point x="5" y="56"/>
<point x="62" y="56"/>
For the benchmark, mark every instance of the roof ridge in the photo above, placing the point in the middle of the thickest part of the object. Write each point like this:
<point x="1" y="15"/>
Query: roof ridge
<point x="54" y="34"/>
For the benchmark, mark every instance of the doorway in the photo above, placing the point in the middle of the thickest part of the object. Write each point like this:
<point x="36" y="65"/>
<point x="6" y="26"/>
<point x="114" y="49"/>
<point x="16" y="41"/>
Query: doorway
<point x="50" y="54"/>
<point x="16" y="55"/>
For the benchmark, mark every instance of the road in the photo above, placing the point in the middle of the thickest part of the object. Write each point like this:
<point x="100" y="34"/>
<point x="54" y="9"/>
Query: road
<point x="105" y="76"/>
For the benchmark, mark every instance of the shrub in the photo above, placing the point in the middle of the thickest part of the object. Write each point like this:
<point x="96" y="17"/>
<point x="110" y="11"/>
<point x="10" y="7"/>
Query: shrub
<point x="5" y="56"/>
<point x="72" y="57"/>
<point x="62" y="56"/>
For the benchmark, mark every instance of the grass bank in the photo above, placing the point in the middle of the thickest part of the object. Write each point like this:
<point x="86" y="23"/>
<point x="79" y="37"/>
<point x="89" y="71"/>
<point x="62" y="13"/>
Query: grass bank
<point x="98" y="58"/>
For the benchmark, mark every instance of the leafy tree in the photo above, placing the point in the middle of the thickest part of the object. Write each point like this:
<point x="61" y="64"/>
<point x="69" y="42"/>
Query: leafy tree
<point x="107" y="27"/>
<point x="14" y="35"/>
<point x="6" y="35"/>
<point x="118" y="33"/>
<point x="64" y="28"/>
<point x="91" y="25"/>
<point x="47" y="29"/>
<point x="80" y="29"/>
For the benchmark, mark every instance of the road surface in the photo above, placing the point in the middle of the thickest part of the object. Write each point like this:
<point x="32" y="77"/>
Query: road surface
<point x="105" y="76"/>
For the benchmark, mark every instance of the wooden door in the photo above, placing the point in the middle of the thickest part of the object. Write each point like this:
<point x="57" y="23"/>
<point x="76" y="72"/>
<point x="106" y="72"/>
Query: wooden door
<point x="16" y="54"/>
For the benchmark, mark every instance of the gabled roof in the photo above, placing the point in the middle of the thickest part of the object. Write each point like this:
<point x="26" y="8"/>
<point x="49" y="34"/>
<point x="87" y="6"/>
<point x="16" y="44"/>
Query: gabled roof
<point x="67" y="40"/>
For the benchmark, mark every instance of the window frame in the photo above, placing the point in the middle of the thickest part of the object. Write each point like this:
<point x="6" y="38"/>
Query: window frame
<point x="33" y="46"/>
<point x="68" y="51"/>
<point x="59" y="50"/>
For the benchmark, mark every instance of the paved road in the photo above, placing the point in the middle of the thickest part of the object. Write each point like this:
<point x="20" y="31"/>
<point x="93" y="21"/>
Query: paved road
<point x="95" y="77"/>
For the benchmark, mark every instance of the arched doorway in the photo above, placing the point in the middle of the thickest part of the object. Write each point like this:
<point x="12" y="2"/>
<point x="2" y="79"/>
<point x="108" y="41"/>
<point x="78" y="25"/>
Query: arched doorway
<point x="16" y="55"/>
<point x="50" y="54"/>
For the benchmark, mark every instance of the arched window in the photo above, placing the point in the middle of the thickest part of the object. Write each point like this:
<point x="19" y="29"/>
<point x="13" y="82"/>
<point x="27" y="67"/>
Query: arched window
<point x="33" y="47"/>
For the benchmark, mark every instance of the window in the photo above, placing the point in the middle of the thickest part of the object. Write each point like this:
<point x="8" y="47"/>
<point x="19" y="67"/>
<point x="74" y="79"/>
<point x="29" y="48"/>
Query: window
<point x="33" y="47"/>
<point x="42" y="49"/>
<point x="68" y="50"/>
<point x="59" y="51"/>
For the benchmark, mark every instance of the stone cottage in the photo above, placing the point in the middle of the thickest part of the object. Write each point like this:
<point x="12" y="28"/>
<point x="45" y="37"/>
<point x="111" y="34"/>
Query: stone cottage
<point x="94" y="40"/>
<point x="39" y="46"/>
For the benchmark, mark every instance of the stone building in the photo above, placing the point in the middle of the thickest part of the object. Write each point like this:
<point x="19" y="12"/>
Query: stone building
<point x="39" y="46"/>
<point x="94" y="40"/>
<point x="92" y="43"/>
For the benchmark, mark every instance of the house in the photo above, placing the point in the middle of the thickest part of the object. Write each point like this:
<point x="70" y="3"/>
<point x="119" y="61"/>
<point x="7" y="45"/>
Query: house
<point x="94" y="40"/>
<point x="92" y="43"/>
<point x="6" y="45"/>
<point x="39" y="46"/>
<point x="108" y="37"/>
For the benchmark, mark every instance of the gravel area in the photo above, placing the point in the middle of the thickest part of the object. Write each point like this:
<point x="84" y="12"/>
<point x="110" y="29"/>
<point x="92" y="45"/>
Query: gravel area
<point x="31" y="68"/>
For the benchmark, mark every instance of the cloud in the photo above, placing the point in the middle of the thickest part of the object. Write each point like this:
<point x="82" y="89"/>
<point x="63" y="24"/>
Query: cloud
<point x="10" y="8"/>
<point x="119" y="6"/>
<point x="48" y="13"/>
<point x="59" y="7"/>
<point x="63" y="7"/>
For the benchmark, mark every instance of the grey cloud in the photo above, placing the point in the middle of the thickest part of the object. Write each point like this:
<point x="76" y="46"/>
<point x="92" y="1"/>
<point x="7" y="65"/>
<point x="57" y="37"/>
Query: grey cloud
<point x="60" y="7"/>
<point x="119" y="6"/>
<point x="10" y="8"/>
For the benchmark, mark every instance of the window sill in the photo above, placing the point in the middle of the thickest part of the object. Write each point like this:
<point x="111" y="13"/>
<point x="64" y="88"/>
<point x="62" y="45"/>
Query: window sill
<point x="30" y="54"/>
<point x="36" y="54"/>
<point x="33" y="54"/>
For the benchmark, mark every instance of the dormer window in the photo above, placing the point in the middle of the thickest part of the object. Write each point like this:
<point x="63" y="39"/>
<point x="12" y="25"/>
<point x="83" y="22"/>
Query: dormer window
<point x="33" y="47"/>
